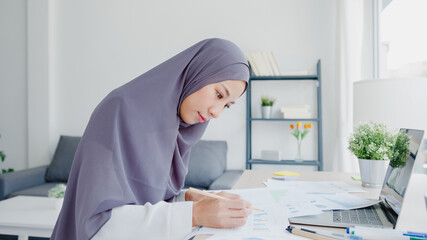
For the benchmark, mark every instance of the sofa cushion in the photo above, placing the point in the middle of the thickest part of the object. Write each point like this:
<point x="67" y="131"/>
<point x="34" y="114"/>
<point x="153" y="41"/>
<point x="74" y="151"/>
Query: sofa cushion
<point x="207" y="162"/>
<point x="60" y="167"/>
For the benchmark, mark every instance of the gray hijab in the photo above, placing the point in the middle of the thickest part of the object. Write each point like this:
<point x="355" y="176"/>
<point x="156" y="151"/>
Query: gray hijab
<point x="135" y="148"/>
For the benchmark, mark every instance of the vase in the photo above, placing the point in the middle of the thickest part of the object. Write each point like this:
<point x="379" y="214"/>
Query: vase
<point x="372" y="172"/>
<point x="266" y="111"/>
<point x="298" y="157"/>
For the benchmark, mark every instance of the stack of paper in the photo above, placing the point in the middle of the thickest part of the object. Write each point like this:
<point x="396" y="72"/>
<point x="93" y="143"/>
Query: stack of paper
<point x="281" y="200"/>
<point x="301" y="198"/>
<point x="263" y="63"/>
<point x="296" y="111"/>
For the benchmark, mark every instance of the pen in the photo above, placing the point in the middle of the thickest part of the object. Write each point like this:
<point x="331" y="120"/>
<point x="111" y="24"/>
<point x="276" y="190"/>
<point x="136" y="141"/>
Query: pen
<point x="381" y="233"/>
<point x="307" y="233"/>
<point x="330" y="234"/>
<point x="207" y="194"/>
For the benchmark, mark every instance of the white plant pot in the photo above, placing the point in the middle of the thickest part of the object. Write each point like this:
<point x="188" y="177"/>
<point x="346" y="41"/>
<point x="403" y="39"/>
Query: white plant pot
<point x="372" y="172"/>
<point x="266" y="111"/>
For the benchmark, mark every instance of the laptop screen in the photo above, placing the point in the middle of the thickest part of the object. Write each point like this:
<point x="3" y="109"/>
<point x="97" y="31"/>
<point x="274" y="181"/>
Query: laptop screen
<point x="397" y="179"/>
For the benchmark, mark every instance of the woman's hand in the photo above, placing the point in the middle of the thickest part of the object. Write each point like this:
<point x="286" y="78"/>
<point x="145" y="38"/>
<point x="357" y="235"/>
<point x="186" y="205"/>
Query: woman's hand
<point x="191" y="196"/>
<point x="219" y="213"/>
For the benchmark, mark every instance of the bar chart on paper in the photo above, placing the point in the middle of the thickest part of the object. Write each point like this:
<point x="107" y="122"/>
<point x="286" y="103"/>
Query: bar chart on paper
<point x="269" y="222"/>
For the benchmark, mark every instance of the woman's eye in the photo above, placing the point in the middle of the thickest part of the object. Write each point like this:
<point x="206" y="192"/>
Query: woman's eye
<point x="219" y="95"/>
<point x="226" y="106"/>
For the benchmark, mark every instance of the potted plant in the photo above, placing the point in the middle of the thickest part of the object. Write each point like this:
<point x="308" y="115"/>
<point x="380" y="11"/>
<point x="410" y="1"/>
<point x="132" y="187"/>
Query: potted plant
<point x="399" y="158"/>
<point x="400" y="151"/>
<point x="373" y="145"/>
<point x="266" y="106"/>
<point x="2" y="158"/>
<point x="57" y="194"/>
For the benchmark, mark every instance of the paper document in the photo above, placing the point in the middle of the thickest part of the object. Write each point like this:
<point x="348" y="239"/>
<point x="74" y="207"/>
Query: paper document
<point x="298" y="202"/>
<point x="251" y="237"/>
<point x="280" y="203"/>
<point x="324" y="187"/>
<point x="271" y="222"/>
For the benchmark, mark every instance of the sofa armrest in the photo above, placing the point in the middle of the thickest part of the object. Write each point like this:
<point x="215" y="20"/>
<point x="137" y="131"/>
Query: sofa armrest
<point x="226" y="181"/>
<point x="15" y="181"/>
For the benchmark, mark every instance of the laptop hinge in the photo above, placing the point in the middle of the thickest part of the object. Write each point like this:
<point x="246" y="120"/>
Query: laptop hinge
<point x="389" y="213"/>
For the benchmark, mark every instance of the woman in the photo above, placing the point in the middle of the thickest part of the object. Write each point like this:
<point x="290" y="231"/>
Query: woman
<point x="131" y="162"/>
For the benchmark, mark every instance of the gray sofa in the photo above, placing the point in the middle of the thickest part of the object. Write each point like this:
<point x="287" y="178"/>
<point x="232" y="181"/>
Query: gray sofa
<point x="207" y="170"/>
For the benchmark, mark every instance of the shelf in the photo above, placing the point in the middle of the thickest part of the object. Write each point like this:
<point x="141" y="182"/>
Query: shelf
<point x="318" y="119"/>
<point x="284" y="162"/>
<point x="285" y="119"/>
<point x="297" y="77"/>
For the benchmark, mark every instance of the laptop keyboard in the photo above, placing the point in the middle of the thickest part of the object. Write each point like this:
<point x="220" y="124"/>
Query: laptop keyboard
<point x="366" y="215"/>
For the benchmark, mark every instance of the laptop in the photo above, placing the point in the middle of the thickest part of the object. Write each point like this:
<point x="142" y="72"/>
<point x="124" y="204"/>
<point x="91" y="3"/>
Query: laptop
<point x="383" y="214"/>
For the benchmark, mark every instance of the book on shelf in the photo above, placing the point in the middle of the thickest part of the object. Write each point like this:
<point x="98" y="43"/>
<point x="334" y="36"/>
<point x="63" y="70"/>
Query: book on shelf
<point x="263" y="63"/>
<point x="295" y="107"/>
<point x="273" y="64"/>
<point x="254" y="67"/>
<point x="296" y="111"/>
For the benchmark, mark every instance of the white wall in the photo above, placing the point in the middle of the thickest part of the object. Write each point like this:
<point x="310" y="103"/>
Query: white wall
<point x="398" y="102"/>
<point x="97" y="46"/>
<point x="13" y="83"/>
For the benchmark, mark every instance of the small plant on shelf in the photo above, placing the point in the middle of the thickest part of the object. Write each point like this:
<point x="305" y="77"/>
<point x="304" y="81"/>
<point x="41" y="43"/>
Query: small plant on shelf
<point x="266" y="106"/>
<point x="266" y="101"/>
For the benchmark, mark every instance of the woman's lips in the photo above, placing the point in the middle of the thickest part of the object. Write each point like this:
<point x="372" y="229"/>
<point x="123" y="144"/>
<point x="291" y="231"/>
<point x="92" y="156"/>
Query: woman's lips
<point x="201" y="118"/>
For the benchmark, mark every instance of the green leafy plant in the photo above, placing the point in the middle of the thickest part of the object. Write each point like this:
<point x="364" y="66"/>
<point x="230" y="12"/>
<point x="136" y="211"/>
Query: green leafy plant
<point x="58" y="191"/>
<point x="400" y="151"/>
<point x="3" y="157"/>
<point x="372" y="141"/>
<point x="266" y="101"/>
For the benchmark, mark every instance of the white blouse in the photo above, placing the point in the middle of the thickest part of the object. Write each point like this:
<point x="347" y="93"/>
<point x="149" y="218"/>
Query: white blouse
<point x="159" y="221"/>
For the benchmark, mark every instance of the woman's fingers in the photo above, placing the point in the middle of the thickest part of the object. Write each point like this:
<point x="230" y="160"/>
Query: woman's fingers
<point x="229" y="195"/>
<point x="220" y="213"/>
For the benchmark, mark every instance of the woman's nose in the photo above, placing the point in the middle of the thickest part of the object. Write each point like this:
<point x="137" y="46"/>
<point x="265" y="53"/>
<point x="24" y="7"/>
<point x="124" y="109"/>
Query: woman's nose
<point x="216" y="110"/>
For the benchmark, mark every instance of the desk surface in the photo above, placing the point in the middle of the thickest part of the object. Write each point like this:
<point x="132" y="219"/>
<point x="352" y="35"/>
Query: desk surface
<point x="29" y="216"/>
<point x="413" y="215"/>
<point x="255" y="178"/>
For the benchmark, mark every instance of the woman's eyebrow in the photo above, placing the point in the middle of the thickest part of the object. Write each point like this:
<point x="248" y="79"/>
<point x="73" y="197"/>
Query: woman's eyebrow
<point x="226" y="91"/>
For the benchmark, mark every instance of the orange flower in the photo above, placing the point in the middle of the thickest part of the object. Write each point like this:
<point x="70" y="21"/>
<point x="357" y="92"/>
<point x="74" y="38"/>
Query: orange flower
<point x="305" y="125"/>
<point x="292" y="126"/>
<point x="309" y="125"/>
<point x="299" y="124"/>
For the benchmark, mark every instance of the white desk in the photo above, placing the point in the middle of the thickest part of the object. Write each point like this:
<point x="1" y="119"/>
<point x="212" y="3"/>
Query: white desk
<point x="29" y="216"/>
<point x="413" y="215"/>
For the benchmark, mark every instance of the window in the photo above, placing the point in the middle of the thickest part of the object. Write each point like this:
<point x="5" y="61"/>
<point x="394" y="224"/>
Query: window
<point x="402" y="34"/>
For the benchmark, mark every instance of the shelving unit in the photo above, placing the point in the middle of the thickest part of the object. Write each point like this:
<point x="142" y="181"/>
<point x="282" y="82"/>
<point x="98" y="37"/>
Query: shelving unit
<point x="250" y="120"/>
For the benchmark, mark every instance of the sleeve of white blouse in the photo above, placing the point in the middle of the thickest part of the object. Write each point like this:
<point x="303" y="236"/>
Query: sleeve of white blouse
<point x="180" y="197"/>
<point x="159" y="221"/>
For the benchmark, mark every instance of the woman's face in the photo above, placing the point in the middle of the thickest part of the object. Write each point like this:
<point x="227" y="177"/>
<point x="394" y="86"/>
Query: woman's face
<point x="210" y="101"/>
